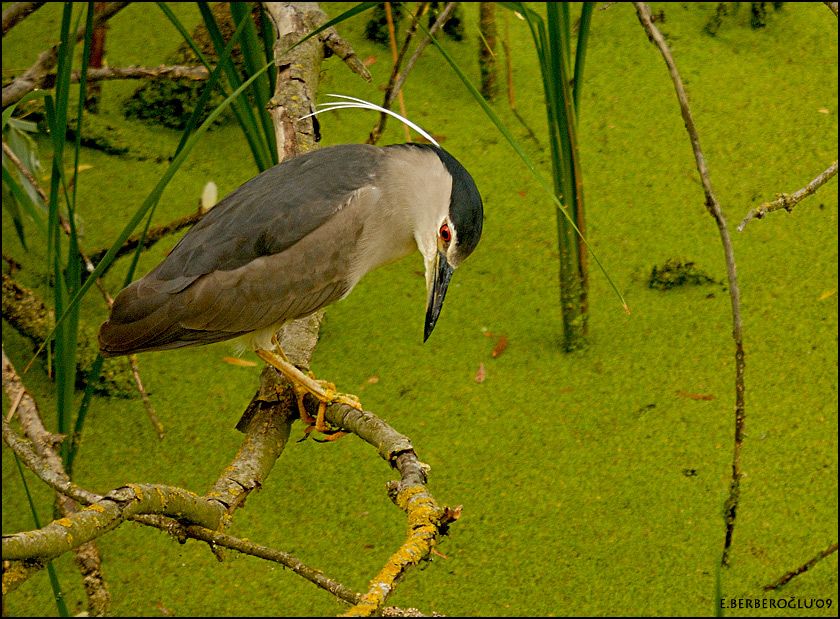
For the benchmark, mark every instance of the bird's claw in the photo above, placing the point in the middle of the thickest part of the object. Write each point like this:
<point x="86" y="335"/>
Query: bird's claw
<point x="325" y="392"/>
<point x="327" y="395"/>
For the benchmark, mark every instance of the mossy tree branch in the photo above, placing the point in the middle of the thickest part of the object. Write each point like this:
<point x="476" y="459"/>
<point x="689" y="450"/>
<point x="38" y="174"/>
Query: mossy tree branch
<point x="41" y="454"/>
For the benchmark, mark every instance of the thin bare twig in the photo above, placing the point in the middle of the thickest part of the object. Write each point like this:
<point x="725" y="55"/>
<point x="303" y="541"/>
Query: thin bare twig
<point x="508" y="65"/>
<point x="396" y="82"/>
<point x="510" y="89"/>
<point x="392" y="40"/>
<point x="147" y="403"/>
<point x="788" y="201"/>
<point x="36" y="74"/>
<point x="712" y="205"/>
<point x="439" y="22"/>
<point x="377" y="130"/>
<point x="802" y="568"/>
<point x="278" y="556"/>
<point x="487" y="33"/>
<point x="175" y="72"/>
<point x="152" y="236"/>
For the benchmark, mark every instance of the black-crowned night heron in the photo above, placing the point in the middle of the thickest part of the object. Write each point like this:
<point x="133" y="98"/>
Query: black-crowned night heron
<point x="296" y="238"/>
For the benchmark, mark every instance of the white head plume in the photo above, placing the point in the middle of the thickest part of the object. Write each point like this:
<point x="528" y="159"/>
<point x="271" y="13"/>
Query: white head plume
<point x="345" y="102"/>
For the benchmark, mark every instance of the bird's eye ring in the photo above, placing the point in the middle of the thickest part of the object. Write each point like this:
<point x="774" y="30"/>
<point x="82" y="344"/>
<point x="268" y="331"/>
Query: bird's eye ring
<point x="445" y="233"/>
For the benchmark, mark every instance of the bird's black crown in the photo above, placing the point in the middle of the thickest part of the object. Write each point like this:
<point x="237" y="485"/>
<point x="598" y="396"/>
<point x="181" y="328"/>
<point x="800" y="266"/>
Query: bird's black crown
<point x="465" y="207"/>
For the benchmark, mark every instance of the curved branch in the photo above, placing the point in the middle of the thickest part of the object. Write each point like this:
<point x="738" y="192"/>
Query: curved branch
<point x="427" y="521"/>
<point x="87" y="556"/>
<point x="267" y="423"/>
<point x="117" y="506"/>
<point x="58" y="481"/>
<point x="712" y="205"/>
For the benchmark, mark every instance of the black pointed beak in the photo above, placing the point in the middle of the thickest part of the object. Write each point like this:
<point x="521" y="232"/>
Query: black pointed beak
<point x="437" y="292"/>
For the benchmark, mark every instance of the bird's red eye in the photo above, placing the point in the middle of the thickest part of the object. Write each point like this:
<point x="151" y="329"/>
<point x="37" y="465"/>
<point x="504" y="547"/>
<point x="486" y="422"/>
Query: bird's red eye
<point x="445" y="234"/>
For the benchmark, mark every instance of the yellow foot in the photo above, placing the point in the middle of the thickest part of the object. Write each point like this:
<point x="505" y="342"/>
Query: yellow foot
<point x="321" y="390"/>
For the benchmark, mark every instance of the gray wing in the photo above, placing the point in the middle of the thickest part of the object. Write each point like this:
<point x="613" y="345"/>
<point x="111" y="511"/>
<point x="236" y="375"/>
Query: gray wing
<point x="231" y="273"/>
<point x="273" y="211"/>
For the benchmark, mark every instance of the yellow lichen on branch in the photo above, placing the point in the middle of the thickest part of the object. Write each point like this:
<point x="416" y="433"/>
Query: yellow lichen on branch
<point x="426" y="522"/>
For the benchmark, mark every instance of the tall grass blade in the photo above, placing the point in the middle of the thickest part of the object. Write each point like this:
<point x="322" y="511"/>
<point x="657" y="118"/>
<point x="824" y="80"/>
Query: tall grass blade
<point x="580" y="51"/>
<point x="268" y="38"/>
<point x="213" y="80"/>
<point x="184" y="34"/>
<point x="63" y="275"/>
<point x="192" y="122"/>
<point x="58" y="594"/>
<point x="81" y="414"/>
<point x="552" y="41"/>
<point x="67" y="348"/>
<point x="241" y="108"/>
<point x="523" y="156"/>
<point x="253" y="57"/>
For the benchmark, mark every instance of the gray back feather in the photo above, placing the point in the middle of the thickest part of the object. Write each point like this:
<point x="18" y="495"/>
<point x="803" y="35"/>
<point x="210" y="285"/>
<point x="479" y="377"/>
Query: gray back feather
<point x="261" y="219"/>
<point x="229" y="276"/>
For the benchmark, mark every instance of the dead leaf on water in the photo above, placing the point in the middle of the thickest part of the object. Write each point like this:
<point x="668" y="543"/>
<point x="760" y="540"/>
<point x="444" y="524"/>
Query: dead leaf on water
<point x="499" y="348"/>
<point x="240" y="362"/>
<point x="481" y="374"/>
<point x="695" y="396"/>
<point x="82" y="167"/>
<point x="828" y="293"/>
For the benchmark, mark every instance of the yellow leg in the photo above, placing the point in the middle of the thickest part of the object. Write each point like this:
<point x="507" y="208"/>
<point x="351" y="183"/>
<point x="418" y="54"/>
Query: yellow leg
<point x="323" y="391"/>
